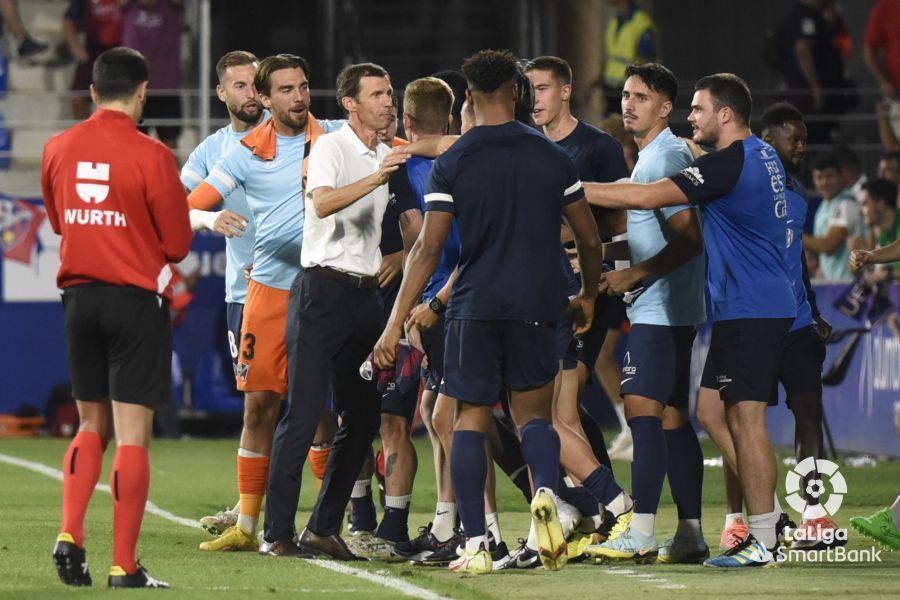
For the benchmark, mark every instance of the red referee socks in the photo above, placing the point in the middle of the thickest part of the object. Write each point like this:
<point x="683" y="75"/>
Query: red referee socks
<point x="81" y="470"/>
<point x="130" y="482"/>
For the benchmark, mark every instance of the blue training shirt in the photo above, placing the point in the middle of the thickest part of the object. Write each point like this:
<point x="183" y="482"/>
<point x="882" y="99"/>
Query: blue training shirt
<point x="418" y="169"/>
<point x="797" y="209"/>
<point x="274" y="191"/>
<point x="677" y="298"/>
<point x="744" y="211"/>
<point x="238" y="250"/>
<point x="506" y="185"/>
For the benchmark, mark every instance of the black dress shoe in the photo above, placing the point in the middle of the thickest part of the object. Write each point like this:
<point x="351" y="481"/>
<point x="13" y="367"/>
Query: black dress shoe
<point x="332" y="546"/>
<point x="288" y="548"/>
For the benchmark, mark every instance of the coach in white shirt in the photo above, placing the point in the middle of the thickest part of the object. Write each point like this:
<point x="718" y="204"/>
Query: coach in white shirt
<point x="334" y="314"/>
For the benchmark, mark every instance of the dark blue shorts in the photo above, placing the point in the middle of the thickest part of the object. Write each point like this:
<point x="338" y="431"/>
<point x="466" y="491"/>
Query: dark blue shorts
<point x="801" y="364"/>
<point x="433" y="344"/>
<point x="569" y="348"/>
<point x="484" y="357"/>
<point x="745" y="357"/>
<point x="657" y="363"/>
<point x="396" y="402"/>
<point x="234" y="315"/>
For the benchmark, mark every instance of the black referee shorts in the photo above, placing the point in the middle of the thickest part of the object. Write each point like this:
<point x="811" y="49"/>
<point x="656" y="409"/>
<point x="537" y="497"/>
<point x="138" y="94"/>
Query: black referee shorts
<point x="119" y="344"/>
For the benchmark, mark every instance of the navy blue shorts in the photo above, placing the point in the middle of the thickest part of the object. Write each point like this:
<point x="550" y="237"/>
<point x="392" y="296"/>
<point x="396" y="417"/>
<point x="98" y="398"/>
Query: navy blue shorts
<point x="234" y="315"/>
<point x="484" y="357"/>
<point x="657" y="363"/>
<point x="800" y="371"/>
<point x="396" y="402"/>
<point x="569" y="348"/>
<point x="433" y="344"/>
<point x="745" y="357"/>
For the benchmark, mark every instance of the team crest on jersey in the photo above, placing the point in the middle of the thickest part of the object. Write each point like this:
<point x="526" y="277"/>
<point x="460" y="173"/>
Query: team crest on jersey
<point x="19" y="224"/>
<point x="240" y="370"/>
<point x="694" y="176"/>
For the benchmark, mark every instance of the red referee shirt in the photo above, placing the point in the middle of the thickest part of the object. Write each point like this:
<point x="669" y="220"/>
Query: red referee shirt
<point x="114" y="195"/>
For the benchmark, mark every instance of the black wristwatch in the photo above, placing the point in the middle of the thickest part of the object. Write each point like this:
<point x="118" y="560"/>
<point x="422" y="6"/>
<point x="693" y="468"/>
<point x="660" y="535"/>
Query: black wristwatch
<point x="436" y="306"/>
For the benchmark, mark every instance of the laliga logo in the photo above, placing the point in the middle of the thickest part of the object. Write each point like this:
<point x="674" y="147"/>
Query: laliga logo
<point x="815" y="489"/>
<point x="92" y="192"/>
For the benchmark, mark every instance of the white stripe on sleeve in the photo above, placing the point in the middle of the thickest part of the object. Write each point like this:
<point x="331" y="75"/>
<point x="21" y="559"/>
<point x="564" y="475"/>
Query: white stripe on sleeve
<point x="225" y="179"/>
<point x="572" y="188"/>
<point x="439" y="197"/>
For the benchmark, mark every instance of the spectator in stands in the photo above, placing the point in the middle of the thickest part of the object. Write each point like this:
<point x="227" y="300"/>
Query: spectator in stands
<point x="153" y="27"/>
<point x="631" y="36"/>
<point x="889" y="167"/>
<point x="27" y="47"/>
<point x="836" y="221"/>
<point x="101" y="22"/>
<point x="812" y="42"/>
<point x="882" y="46"/>
<point x="851" y="170"/>
<point x="878" y="206"/>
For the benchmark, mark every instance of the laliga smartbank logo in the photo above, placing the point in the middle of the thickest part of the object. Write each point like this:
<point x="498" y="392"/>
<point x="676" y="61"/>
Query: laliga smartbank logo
<point x="828" y="503"/>
<point x="818" y="497"/>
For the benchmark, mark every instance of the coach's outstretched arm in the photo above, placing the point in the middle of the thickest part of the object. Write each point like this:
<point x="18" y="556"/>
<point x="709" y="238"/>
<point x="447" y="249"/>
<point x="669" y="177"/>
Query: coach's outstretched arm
<point x="635" y="195"/>
<point x="422" y="261"/>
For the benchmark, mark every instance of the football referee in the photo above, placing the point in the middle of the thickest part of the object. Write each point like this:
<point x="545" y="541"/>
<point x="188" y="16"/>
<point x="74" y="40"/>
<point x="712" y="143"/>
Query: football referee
<point x="115" y="197"/>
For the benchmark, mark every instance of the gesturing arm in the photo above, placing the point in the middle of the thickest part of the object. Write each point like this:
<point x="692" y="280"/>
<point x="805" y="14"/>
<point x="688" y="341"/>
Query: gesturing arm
<point x="635" y="195"/>
<point x="329" y="200"/>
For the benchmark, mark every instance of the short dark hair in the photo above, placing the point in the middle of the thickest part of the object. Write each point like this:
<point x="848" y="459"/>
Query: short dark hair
<point x="778" y="114"/>
<point x="561" y="70"/>
<point x="235" y="58"/>
<point x="263" y="79"/>
<point x="350" y="76"/>
<point x="727" y="89"/>
<point x="524" y="112"/>
<point x="487" y="70"/>
<point x="457" y="83"/>
<point x="658" y="78"/>
<point x="883" y="190"/>
<point x="118" y="73"/>
<point x="826" y="160"/>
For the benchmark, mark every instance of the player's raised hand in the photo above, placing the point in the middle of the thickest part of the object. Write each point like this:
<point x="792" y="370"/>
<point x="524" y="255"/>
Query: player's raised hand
<point x="230" y="224"/>
<point x="859" y="259"/>
<point x="390" y="164"/>
<point x="582" y="312"/>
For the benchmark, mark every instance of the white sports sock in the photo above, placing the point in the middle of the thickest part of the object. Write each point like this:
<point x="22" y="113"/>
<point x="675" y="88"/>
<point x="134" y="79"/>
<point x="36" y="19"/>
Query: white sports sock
<point x="762" y="527"/>
<point x="689" y="528"/>
<point x="730" y="518"/>
<point x="247" y="523"/>
<point x="808" y="513"/>
<point x="620" y="413"/>
<point x="895" y="511"/>
<point x="532" y="542"/>
<point x="493" y="525"/>
<point x="401" y="502"/>
<point x="250" y="454"/>
<point x="361" y="488"/>
<point x="621" y="504"/>
<point x="643" y="522"/>
<point x="444" y="521"/>
<point x="474" y="543"/>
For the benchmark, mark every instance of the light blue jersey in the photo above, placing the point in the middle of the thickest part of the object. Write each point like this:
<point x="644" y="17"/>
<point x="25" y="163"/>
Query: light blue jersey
<point x="238" y="250"/>
<point x="677" y="298"/>
<point x="274" y="192"/>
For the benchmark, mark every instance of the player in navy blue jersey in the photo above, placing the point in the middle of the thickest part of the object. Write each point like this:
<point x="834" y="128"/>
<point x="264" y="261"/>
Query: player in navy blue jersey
<point x="740" y="190"/>
<point x="508" y="187"/>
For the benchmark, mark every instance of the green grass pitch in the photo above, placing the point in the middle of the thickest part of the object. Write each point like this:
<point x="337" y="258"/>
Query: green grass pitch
<point x="192" y="478"/>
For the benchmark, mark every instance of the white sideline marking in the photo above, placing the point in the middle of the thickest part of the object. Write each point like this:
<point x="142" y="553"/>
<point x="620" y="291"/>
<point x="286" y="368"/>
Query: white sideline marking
<point x="403" y="587"/>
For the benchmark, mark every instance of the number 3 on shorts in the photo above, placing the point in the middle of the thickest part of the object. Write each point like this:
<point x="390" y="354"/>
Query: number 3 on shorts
<point x="249" y="343"/>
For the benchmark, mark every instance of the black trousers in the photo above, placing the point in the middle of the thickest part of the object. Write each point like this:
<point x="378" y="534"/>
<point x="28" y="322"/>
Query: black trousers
<point x="331" y="328"/>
